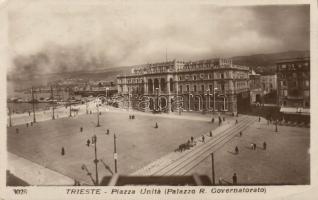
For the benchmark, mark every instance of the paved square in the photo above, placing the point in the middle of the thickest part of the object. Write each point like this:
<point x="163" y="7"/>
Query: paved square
<point x="286" y="159"/>
<point x="138" y="142"/>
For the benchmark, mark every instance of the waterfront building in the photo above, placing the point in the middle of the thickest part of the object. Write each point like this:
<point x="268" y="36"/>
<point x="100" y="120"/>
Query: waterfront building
<point x="293" y="81"/>
<point x="204" y="85"/>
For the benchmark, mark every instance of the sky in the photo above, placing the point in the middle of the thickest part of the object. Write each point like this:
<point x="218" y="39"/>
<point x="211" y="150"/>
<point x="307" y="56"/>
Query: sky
<point x="104" y="34"/>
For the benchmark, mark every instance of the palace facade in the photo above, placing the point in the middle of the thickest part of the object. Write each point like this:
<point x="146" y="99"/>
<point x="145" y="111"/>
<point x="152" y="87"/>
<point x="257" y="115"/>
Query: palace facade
<point x="204" y="85"/>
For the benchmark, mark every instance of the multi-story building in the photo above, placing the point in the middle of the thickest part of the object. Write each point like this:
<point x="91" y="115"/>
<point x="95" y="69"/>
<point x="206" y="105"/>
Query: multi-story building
<point x="293" y="84"/>
<point x="255" y="87"/>
<point x="203" y="85"/>
<point x="269" y="83"/>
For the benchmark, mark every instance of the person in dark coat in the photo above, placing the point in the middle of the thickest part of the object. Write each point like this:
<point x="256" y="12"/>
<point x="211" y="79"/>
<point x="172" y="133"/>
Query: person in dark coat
<point x="81" y="129"/>
<point x="236" y="122"/>
<point x="236" y="150"/>
<point x="17" y="130"/>
<point x="234" y="179"/>
<point x="241" y="133"/>
<point x="156" y="126"/>
<point x="192" y="139"/>
<point x="264" y="145"/>
<point x="212" y="120"/>
<point x="211" y="134"/>
<point x="203" y="139"/>
<point x="63" y="151"/>
<point x="88" y="142"/>
<point x="27" y="124"/>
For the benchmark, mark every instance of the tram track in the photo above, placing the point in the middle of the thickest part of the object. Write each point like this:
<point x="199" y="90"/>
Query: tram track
<point x="188" y="161"/>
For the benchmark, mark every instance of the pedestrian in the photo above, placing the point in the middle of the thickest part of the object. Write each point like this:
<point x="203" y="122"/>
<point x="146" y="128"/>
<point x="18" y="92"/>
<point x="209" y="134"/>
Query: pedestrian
<point x="254" y="146"/>
<point x="192" y="139"/>
<point x="17" y="131"/>
<point x="156" y="126"/>
<point x="88" y="142"/>
<point x="27" y="124"/>
<point x="259" y="119"/>
<point x="240" y="133"/>
<point x="107" y="132"/>
<point x="203" y="138"/>
<point x="210" y="133"/>
<point x="236" y="150"/>
<point x="234" y="179"/>
<point x="236" y="122"/>
<point x="62" y="151"/>
<point x="212" y="120"/>
<point x="29" y="113"/>
<point x="264" y="145"/>
<point x="81" y="129"/>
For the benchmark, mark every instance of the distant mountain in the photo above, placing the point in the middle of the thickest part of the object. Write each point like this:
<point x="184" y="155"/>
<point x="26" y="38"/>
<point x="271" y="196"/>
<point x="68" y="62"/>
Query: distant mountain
<point x="261" y="63"/>
<point x="265" y="63"/>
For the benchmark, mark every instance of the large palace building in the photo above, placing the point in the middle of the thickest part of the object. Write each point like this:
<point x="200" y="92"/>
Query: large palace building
<point x="204" y="85"/>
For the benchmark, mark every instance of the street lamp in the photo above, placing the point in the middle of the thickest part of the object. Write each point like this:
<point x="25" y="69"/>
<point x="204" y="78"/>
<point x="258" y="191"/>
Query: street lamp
<point x="33" y="101"/>
<point x="115" y="153"/>
<point x="157" y="90"/>
<point x="98" y="125"/>
<point x="10" y="120"/>
<point x="214" y="99"/>
<point x="190" y="95"/>
<point x="94" y="141"/>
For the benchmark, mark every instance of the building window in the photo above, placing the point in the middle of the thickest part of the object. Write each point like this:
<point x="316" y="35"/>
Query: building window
<point x="194" y="77"/>
<point x="306" y="93"/>
<point x="188" y="88"/>
<point x="209" y="76"/>
<point x="180" y="78"/>
<point x="222" y="76"/>
<point x="194" y="88"/>
<point x="285" y="93"/>
<point x="202" y="88"/>
<point x="307" y="83"/>
<point x="210" y="88"/>
<point x="180" y="88"/>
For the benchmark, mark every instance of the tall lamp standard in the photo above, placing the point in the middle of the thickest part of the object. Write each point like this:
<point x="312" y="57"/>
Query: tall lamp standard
<point x="115" y="153"/>
<point x="94" y="141"/>
<point x="98" y="125"/>
<point x="214" y="99"/>
<point x="157" y="91"/>
<point x="190" y="95"/>
<point x="33" y="101"/>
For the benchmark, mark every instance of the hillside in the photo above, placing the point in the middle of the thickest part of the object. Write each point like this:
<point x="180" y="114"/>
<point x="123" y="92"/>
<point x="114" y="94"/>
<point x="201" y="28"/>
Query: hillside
<point x="261" y="63"/>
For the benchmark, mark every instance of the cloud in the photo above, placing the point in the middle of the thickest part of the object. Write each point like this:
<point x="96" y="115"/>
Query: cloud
<point x="108" y="35"/>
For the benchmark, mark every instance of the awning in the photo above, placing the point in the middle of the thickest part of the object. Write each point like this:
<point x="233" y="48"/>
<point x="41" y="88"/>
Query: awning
<point x="293" y="110"/>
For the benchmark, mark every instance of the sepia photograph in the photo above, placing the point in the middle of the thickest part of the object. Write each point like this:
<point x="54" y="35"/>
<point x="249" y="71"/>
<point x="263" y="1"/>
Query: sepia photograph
<point x="104" y="93"/>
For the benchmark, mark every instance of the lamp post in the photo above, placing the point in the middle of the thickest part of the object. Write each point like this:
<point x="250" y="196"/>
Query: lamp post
<point x="94" y="141"/>
<point x="115" y="153"/>
<point x="214" y="99"/>
<point x="213" y="173"/>
<point x="52" y="98"/>
<point x="86" y="106"/>
<point x="157" y="90"/>
<point x="34" y="120"/>
<point x="98" y="125"/>
<point x="190" y="95"/>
